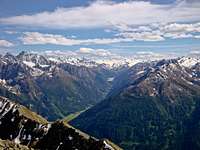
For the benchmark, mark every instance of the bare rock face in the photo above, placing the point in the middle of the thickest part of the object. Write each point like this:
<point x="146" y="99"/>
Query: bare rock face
<point x="22" y="129"/>
<point x="10" y="145"/>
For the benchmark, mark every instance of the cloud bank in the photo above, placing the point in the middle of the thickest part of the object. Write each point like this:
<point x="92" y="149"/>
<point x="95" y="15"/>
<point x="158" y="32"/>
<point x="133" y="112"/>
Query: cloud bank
<point x="5" y="43"/>
<point x="106" y="14"/>
<point x="160" y="32"/>
<point x="33" y="38"/>
<point x="125" y="33"/>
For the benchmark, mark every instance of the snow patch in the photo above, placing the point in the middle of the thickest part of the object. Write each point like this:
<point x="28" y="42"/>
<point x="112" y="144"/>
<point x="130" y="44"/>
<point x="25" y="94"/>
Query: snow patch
<point x="29" y="64"/>
<point x="140" y="72"/>
<point x="188" y="62"/>
<point x="107" y="146"/>
<point x="110" y="79"/>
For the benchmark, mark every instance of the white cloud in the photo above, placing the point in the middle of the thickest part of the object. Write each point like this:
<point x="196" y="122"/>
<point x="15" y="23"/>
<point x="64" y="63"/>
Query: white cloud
<point x="142" y="36"/>
<point x="126" y="33"/>
<point x="4" y="43"/>
<point x="57" y="53"/>
<point x="178" y="35"/>
<point x="150" y="55"/>
<point x="176" y="30"/>
<point x="39" y="38"/>
<point x="175" y="27"/>
<point x="86" y="50"/>
<point x="102" y="14"/>
<point x="133" y="21"/>
<point x="94" y="52"/>
<point x="11" y="32"/>
<point x="197" y="36"/>
<point x="103" y="52"/>
<point x="32" y="38"/>
<point x="159" y="32"/>
<point x="194" y="52"/>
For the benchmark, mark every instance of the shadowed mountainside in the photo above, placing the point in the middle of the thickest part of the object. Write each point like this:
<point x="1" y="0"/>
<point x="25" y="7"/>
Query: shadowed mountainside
<point x="20" y="128"/>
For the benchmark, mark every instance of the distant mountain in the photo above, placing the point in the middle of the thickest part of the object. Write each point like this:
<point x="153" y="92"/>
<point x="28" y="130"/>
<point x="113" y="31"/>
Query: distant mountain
<point x="22" y="129"/>
<point x="152" y="106"/>
<point x="88" y="60"/>
<point x="53" y="89"/>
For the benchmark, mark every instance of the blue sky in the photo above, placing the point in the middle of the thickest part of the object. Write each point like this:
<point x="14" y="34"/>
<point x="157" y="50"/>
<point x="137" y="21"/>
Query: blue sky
<point x="117" y="26"/>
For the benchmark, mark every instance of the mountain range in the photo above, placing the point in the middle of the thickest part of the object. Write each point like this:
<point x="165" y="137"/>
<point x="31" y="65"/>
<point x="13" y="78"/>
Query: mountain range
<point x="153" y="105"/>
<point x="150" y="105"/>
<point x="51" y="88"/>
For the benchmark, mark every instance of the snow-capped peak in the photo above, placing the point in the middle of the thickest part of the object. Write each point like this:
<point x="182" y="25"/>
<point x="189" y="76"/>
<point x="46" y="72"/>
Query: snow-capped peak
<point x="188" y="61"/>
